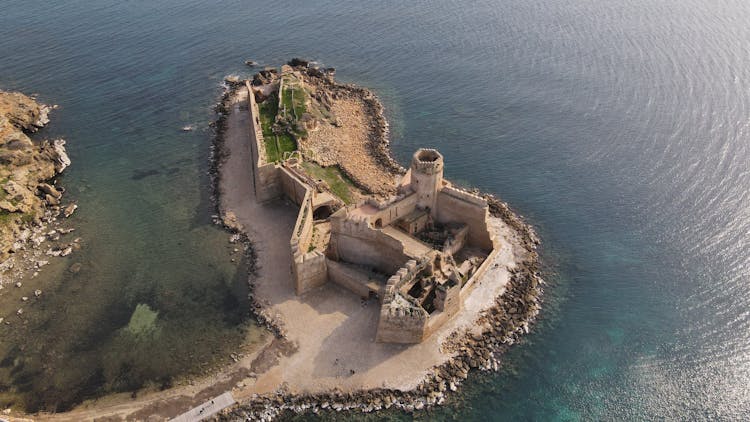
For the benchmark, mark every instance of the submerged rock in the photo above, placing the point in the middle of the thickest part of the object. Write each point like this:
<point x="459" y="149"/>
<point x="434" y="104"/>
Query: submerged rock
<point x="69" y="210"/>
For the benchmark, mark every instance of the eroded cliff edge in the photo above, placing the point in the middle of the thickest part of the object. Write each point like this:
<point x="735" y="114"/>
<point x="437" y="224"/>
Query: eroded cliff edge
<point x="29" y="196"/>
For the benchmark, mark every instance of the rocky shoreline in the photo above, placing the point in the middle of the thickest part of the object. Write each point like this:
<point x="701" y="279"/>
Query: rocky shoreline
<point x="218" y="155"/>
<point x="30" y="198"/>
<point x="512" y="315"/>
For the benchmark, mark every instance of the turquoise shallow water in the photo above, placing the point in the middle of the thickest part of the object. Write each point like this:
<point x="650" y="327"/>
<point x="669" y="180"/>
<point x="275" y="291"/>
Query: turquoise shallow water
<point x="619" y="128"/>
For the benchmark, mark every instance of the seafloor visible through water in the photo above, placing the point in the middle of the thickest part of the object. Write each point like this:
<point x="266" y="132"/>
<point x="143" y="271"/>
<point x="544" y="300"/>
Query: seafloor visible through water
<point x="619" y="128"/>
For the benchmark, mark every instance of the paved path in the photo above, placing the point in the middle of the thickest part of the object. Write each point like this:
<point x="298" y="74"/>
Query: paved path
<point x="209" y="408"/>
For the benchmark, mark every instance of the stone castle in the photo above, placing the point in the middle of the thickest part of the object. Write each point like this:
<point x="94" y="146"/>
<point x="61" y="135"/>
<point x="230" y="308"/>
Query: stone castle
<point x="418" y="252"/>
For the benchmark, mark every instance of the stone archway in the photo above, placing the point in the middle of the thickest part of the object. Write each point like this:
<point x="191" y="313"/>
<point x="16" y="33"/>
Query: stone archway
<point x="322" y="212"/>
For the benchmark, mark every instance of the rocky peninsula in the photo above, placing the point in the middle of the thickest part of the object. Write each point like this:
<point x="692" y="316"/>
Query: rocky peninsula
<point x="296" y="155"/>
<point x="30" y="198"/>
<point x="325" y="355"/>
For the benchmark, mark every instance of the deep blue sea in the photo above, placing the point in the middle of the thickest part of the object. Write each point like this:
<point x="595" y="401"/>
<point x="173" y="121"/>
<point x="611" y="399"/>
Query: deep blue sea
<point x="619" y="128"/>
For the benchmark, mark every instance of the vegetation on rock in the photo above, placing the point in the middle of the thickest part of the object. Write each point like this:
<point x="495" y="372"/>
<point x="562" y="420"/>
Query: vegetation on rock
<point x="24" y="168"/>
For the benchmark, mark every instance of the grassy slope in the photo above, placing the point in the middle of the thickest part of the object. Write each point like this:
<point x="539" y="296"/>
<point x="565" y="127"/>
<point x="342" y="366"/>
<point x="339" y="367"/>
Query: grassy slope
<point x="275" y="148"/>
<point x="340" y="185"/>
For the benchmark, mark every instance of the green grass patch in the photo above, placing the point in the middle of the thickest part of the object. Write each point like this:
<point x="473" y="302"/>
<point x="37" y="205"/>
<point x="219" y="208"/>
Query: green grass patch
<point x="294" y="99"/>
<point x="276" y="145"/>
<point x="267" y="110"/>
<point x="340" y="185"/>
<point x="6" y="217"/>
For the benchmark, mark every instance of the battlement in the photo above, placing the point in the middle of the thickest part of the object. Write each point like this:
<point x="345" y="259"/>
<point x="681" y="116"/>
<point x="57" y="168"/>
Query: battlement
<point x="402" y="308"/>
<point x="426" y="285"/>
<point x="402" y="276"/>
<point x="427" y="161"/>
<point x="465" y="196"/>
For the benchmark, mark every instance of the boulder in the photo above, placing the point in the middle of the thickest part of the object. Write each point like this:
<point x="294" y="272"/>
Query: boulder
<point x="62" y="161"/>
<point x="49" y="190"/>
<point x="69" y="210"/>
<point x="7" y="206"/>
<point x="51" y="200"/>
<point x="66" y="251"/>
<point x="298" y="62"/>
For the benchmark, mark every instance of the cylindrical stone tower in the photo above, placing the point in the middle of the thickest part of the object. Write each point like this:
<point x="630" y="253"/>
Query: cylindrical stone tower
<point x="427" y="177"/>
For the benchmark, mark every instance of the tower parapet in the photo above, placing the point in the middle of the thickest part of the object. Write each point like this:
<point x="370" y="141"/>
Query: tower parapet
<point x="427" y="177"/>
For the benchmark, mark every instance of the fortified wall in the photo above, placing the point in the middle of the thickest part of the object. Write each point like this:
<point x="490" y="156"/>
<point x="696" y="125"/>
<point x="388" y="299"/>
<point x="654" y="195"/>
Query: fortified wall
<point x="419" y="252"/>
<point x="266" y="177"/>
<point x="273" y="181"/>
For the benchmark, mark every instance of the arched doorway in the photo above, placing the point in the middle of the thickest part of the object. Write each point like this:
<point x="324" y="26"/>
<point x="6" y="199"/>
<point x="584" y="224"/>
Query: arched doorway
<point x="322" y="212"/>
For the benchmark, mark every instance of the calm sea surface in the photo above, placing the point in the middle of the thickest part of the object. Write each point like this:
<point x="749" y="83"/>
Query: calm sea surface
<point x="619" y="128"/>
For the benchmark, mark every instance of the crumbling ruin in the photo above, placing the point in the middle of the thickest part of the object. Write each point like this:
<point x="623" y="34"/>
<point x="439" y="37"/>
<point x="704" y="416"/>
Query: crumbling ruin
<point x="417" y="251"/>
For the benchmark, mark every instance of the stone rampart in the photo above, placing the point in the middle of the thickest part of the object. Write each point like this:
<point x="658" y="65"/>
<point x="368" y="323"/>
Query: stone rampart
<point x="454" y="205"/>
<point x="310" y="271"/>
<point x="266" y="178"/>
<point x="479" y="273"/>
<point x="402" y="319"/>
<point x="354" y="241"/>
<point x="309" y="268"/>
<point x="348" y="278"/>
<point x="388" y="213"/>
<point x="303" y="227"/>
<point x="401" y="324"/>
<point x="402" y="276"/>
<point x="465" y="196"/>
<point x="294" y="188"/>
<point x="457" y="242"/>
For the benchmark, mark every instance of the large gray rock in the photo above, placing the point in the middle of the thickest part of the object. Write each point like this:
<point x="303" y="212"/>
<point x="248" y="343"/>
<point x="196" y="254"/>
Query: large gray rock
<point x="69" y="210"/>
<point x="63" y="161"/>
<point x="49" y="190"/>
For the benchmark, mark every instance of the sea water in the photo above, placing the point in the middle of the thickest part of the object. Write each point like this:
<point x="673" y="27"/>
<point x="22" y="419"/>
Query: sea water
<point x="620" y="129"/>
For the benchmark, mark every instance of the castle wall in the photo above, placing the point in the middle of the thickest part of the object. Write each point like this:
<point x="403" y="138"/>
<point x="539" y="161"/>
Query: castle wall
<point x="448" y="301"/>
<point x="458" y="241"/>
<point x="310" y="271"/>
<point x="400" y="326"/>
<point x="454" y="205"/>
<point x="401" y="321"/>
<point x="266" y="178"/>
<point x="479" y="273"/>
<point x="309" y="268"/>
<point x="354" y="241"/>
<point x="395" y="210"/>
<point x="348" y="279"/>
<point x="267" y="183"/>
<point x="292" y="187"/>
